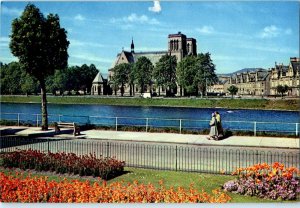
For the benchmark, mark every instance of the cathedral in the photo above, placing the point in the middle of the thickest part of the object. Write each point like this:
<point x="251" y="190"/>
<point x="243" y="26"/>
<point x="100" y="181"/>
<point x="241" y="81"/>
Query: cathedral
<point x="178" y="45"/>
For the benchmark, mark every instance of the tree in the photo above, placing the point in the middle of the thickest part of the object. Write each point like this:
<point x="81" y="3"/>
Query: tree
<point x="29" y="84"/>
<point x="57" y="82"/>
<point x="10" y="78"/>
<point x="41" y="46"/>
<point x="142" y="71"/>
<point x="195" y="73"/>
<point x="205" y="75"/>
<point x="282" y="89"/>
<point x="233" y="90"/>
<point x="186" y="72"/>
<point x="121" y="75"/>
<point x="86" y="74"/>
<point x="164" y="73"/>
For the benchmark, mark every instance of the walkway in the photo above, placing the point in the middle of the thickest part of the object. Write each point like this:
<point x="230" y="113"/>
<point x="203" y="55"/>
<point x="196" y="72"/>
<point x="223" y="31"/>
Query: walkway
<point x="245" y="141"/>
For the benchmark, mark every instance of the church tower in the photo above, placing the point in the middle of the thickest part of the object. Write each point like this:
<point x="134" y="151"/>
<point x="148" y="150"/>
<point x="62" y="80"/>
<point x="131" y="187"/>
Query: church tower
<point x="191" y="46"/>
<point x="132" y="46"/>
<point x="177" y="45"/>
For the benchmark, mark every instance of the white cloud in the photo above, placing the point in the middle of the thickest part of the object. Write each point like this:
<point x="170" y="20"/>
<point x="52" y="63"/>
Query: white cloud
<point x="79" y="17"/>
<point x="270" y="32"/>
<point x="11" y="11"/>
<point x="134" y="18"/>
<point x="156" y="7"/>
<point x="273" y="31"/>
<point x="206" y="29"/>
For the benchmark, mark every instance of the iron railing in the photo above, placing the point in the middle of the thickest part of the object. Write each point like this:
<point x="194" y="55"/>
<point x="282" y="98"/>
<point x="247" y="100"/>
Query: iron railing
<point x="146" y="124"/>
<point x="161" y="157"/>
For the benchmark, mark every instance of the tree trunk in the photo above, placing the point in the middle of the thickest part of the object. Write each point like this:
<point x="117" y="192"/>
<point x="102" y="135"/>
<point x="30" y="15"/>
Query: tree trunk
<point x="44" y="107"/>
<point x="159" y="90"/>
<point x="130" y="86"/>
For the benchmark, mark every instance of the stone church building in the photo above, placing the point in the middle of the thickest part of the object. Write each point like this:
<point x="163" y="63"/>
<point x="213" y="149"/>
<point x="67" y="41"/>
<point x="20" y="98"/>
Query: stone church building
<point x="178" y="45"/>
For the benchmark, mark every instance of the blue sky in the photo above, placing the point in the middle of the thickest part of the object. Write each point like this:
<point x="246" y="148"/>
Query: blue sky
<point x="237" y="34"/>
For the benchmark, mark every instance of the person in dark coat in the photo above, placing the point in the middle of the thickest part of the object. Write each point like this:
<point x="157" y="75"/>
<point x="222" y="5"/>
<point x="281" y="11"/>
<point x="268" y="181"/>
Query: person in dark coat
<point x="219" y="125"/>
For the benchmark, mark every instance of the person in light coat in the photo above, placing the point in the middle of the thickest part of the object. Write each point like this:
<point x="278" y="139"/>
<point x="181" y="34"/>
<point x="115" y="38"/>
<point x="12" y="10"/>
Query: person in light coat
<point x="219" y="125"/>
<point x="213" y="134"/>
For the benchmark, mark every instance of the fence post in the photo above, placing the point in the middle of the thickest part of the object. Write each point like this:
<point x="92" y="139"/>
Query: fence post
<point x="147" y="121"/>
<point x="48" y="144"/>
<point x="18" y="119"/>
<point x="107" y="149"/>
<point x="116" y="123"/>
<point x="296" y="129"/>
<point x="37" y="120"/>
<point x="180" y="126"/>
<point x="176" y="158"/>
<point x="254" y="128"/>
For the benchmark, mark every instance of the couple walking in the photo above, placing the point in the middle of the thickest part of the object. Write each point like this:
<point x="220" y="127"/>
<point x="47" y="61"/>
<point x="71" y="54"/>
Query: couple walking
<point x="216" y="129"/>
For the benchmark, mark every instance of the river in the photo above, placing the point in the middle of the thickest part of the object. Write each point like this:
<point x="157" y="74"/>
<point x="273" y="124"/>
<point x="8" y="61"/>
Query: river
<point x="236" y="117"/>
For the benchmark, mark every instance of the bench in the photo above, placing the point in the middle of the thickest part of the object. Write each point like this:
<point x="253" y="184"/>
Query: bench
<point x="74" y="126"/>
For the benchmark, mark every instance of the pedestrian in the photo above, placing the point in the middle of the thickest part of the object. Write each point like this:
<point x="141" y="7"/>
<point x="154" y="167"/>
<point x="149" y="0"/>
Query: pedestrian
<point x="213" y="134"/>
<point x="219" y="125"/>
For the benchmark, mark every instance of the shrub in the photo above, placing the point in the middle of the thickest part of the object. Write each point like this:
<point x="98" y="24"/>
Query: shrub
<point x="61" y="162"/>
<point x="265" y="181"/>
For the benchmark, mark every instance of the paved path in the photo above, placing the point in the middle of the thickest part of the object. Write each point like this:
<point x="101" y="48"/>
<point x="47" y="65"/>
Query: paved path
<point x="242" y="141"/>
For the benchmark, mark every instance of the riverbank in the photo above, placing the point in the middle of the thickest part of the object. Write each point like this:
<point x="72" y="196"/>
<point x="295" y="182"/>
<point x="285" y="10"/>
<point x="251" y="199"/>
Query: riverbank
<point x="264" y="104"/>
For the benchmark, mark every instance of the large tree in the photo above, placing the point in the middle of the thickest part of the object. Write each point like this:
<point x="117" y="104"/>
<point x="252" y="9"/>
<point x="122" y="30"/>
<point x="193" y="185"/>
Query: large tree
<point x="122" y="75"/>
<point x="186" y="73"/>
<point x="205" y="72"/>
<point x="142" y="71"/>
<point x="41" y="46"/>
<point x="164" y="73"/>
<point x="195" y="73"/>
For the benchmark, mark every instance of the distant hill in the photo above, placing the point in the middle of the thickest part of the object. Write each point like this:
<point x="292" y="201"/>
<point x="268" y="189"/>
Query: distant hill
<point x="242" y="71"/>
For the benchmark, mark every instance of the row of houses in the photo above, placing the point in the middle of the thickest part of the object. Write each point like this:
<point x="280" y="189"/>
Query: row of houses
<point x="261" y="82"/>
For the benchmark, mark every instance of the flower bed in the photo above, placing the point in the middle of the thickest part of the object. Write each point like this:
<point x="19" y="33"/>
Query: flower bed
<point x="265" y="181"/>
<point x="61" y="162"/>
<point x="18" y="188"/>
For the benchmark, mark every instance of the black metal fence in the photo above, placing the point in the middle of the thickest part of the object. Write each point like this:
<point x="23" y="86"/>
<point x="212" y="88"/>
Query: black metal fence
<point x="157" y="156"/>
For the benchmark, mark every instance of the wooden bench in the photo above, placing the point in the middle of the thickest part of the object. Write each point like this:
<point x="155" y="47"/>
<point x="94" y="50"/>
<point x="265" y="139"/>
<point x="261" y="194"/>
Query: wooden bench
<point x="74" y="126"/>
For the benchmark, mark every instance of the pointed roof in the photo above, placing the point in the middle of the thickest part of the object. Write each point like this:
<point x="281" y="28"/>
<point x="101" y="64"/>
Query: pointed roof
<point x="98" y="78"/>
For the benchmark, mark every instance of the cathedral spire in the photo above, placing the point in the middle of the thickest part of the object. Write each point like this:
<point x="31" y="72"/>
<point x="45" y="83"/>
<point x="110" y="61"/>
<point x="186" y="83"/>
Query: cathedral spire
<point x="132" y="46"/>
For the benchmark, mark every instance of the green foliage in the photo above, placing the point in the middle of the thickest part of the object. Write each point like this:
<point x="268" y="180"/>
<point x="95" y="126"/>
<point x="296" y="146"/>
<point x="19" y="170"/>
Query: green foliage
<point x="142" y="72"/>
<point x="232" y="90"/>
<point x="39" y="42"/>
<point x="282" y="89"/>
<point x="41" y="47"/>
<point x="15" y="80"/>
<point x="122" y="75"/>
<point x="195" y="73"/>
<point x="164" y="72"/>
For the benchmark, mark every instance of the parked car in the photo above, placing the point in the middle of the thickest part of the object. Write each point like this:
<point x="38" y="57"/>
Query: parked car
<point x="146" y="95"/>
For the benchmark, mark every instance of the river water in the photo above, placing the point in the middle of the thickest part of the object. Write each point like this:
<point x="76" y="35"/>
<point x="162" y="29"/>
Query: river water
<point x="236" y="117"/>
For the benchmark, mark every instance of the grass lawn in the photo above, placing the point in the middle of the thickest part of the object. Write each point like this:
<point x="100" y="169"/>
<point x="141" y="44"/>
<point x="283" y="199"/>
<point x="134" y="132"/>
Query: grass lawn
<point x="208" y="182"/>
<point x="279" y="104"/>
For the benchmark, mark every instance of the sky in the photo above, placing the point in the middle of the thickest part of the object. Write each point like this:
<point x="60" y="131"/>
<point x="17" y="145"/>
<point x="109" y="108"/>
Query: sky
<point x="237" y="34"/>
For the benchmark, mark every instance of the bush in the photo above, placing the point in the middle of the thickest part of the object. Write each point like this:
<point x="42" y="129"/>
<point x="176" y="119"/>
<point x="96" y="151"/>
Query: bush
<point x="271" y="182"/>
<point x="61" y="162"/>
